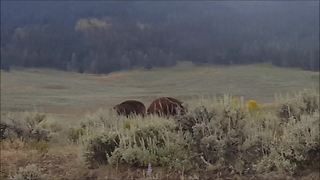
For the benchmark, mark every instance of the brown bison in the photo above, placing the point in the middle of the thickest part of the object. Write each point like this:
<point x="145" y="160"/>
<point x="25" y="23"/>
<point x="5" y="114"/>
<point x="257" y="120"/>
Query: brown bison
<point x="130" y="107"/>
<point x="166" y="106"/>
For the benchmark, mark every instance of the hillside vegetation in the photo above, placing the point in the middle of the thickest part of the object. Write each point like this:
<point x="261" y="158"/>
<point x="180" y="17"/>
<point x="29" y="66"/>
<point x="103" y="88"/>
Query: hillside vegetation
<point x="249" y="121"/>
<point x="222" y="138"/>
<point x="71" y="95"/>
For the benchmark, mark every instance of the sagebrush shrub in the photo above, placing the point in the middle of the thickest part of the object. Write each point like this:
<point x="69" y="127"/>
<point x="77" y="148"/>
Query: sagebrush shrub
<point x="198" y="115"/>
<point x="99" y="148"/>
<point x="310" y="102"/>
<point x="30" y="172"/>
<point x="305" y="102"/>
<point x="226" y="135"/>
<point x="150" y="143"/>
<point x="215" y="134"/>
<point x="297" y="147"/>
<point x="28" y="126"/>
<point x="169" y="151"/>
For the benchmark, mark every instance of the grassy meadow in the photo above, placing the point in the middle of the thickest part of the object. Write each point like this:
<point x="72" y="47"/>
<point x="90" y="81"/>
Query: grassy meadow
<point x="66" y="130"/>
<point x="71" y="95"/>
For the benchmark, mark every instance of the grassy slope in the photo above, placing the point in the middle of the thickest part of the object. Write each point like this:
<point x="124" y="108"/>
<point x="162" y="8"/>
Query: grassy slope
<point x="70" y="94"/>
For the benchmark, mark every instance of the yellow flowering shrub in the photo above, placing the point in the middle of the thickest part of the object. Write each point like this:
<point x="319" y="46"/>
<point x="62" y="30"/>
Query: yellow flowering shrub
<point x="252" y="105"/>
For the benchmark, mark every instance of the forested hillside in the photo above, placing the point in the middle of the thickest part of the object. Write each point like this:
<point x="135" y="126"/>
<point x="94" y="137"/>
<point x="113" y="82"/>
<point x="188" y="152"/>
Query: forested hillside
<point x="101" y="37"/>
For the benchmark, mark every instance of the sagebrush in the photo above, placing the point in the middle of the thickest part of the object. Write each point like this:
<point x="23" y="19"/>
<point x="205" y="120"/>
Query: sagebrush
<point x="228" y="135"/>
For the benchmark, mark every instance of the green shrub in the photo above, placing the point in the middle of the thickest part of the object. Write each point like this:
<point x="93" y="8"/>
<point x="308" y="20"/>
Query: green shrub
<point x="27" y="126"/>
<point x="198" y="115"/>
<point x="305" y="102"/>
<point x="169" y="150"/>
<point x="309" y="102"/>
<point x="223" y="136"/>
<point x="146" y="135"/>
<point x="99" y="148"/>
<point x="150" y="140"/>
<point x="133" y="156"/>
<point x="297" y="148"/>
<point x="216" y="134"/>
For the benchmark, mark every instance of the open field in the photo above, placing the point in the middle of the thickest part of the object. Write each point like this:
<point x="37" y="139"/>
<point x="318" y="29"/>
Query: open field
<point x="70" y="95"/>
<point x="67" y="132"/>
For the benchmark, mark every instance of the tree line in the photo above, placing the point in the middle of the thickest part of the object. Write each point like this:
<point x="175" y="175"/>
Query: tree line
<point x="101" y="37"/>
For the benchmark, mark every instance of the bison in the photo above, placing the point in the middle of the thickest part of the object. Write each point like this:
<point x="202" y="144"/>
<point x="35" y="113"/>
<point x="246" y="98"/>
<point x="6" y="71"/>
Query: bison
<point x="130" y="107"/>
<point x="166" y="106"/>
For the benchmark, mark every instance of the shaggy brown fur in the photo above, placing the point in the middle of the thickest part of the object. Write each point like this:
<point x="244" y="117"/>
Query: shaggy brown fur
<point x="130" y="107"/>
<point x="166" y="106"/>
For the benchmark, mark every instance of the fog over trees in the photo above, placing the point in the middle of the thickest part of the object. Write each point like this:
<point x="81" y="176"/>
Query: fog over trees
<point x="101" y="37"/>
